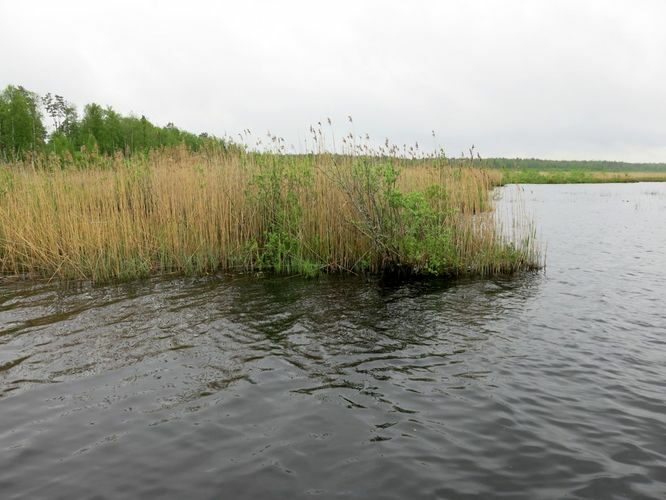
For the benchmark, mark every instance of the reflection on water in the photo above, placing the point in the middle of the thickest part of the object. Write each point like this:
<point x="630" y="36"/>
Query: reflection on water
<point x="537" y="386"/>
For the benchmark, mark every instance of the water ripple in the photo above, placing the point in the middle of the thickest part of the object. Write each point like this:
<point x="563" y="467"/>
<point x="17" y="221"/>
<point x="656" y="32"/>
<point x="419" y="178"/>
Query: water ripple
<point x="542" y="385"/>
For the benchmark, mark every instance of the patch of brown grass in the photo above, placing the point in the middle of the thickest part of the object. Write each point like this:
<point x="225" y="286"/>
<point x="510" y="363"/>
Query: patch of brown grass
<point x="193" y="213"/>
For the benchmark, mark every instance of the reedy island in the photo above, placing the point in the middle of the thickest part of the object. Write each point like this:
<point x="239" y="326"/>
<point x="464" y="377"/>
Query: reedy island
<point x="175" y="210"/>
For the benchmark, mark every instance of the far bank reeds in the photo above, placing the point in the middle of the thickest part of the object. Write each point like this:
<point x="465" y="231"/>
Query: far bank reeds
<point x="199" y="212"/>
<point x="530" y="176"/>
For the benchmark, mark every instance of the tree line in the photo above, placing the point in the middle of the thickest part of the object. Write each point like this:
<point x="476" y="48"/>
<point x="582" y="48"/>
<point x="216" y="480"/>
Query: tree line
<point x="568" y="165"/>
<point x="23" y="130"/>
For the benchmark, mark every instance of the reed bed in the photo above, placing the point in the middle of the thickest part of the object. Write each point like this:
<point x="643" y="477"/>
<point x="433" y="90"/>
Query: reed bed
<point x="176" y="211"/>
<point x="530" y="176"/>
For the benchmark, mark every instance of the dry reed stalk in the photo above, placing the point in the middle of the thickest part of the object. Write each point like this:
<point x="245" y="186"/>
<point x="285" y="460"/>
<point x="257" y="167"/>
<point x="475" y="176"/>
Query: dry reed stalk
<point x="178" y="211"/>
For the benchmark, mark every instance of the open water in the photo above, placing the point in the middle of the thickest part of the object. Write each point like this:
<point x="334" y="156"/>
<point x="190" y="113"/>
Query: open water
<point x="540" y="385"/>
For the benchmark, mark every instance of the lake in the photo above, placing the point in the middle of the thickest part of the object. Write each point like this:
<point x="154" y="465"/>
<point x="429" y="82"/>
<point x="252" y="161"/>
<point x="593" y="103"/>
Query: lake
<point x="548" y="384"/>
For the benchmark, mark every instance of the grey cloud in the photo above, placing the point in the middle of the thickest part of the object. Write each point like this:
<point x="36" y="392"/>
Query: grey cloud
<point x="566" y="79"/>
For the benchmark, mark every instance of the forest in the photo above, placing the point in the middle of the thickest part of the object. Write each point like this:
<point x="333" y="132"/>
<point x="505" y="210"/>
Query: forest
<point x="32" y="124"/>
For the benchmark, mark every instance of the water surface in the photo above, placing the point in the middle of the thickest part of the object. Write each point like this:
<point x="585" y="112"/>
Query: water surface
<point x="541" y="385"/>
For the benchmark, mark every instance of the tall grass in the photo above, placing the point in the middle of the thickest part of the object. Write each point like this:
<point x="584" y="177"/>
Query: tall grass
<point x="175" y="211"/>
<point x="532" y="176"/>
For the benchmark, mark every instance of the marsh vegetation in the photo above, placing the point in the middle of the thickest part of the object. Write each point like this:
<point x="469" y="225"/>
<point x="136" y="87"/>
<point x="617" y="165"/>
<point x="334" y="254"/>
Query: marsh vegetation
<point x="560" y="176"/>
<point x="180" y="211"/>
<point x="105" y="196"/>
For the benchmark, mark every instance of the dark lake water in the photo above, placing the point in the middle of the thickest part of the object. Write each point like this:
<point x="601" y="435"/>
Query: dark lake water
<point x="541" y="385"/>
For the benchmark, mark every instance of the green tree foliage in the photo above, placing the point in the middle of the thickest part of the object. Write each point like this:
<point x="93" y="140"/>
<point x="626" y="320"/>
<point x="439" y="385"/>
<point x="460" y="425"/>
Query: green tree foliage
<point x="99" y="129"/>
<point x="21" y="127"/>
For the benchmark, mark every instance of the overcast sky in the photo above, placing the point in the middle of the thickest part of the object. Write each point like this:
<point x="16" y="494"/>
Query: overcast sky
<point x="550" y="79"/>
